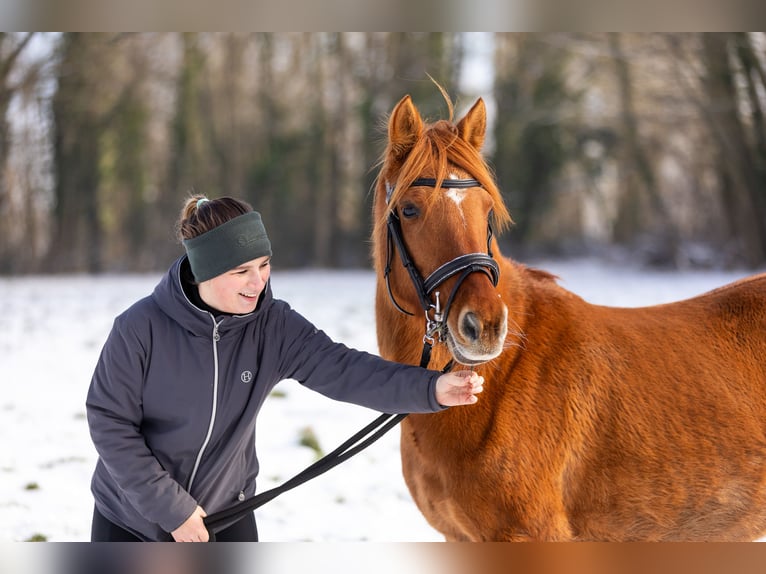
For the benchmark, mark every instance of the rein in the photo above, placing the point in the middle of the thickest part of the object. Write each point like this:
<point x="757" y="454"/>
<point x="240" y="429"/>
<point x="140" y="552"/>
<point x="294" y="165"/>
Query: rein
<point x="376" y="429"/>
<point x="361" y="440"/>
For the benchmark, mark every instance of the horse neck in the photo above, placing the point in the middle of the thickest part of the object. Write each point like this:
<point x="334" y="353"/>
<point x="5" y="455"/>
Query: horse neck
<point x="399" y="336"/>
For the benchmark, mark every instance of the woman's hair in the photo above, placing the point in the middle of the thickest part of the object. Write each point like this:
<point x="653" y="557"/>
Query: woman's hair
<point x="200" y="214"/>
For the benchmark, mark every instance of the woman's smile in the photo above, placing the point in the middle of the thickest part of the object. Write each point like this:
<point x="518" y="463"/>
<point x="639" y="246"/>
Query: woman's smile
<point x="237" y="291"/>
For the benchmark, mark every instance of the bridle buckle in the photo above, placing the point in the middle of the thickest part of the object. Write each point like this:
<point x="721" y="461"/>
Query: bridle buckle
<point x="435" y="326"/>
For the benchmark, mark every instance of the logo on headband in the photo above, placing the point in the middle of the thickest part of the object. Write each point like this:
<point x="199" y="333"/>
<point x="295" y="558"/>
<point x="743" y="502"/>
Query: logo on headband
<point x="247" y="239"/>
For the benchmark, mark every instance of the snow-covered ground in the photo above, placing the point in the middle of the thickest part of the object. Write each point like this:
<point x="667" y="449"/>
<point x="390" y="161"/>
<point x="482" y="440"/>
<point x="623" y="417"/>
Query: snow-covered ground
<point x="51" y="332"/>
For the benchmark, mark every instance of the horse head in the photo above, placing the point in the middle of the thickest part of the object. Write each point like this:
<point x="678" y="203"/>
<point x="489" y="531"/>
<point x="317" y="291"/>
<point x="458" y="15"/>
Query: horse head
<point x="436" y="208"/>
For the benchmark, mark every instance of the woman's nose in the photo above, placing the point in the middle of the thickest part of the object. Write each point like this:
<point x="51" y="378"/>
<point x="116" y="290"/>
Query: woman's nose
<point x="257" y="281"/>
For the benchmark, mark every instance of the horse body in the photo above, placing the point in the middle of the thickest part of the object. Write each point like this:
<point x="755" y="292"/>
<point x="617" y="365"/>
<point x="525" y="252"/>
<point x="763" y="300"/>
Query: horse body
<point x="596" y="423"/>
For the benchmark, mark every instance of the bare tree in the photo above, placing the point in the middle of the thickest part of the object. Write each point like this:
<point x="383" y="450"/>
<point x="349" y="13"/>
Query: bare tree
<point x="743" y="182"/>
<point x="100" y="133"/>
<point x="11" y="49"/>
<point x="639" y="180"/>
<point x="76" y="115"/>
<point x="530" y="131"/>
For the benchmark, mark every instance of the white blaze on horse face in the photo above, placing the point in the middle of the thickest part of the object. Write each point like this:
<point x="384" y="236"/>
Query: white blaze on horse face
<point x="457" y="195"/>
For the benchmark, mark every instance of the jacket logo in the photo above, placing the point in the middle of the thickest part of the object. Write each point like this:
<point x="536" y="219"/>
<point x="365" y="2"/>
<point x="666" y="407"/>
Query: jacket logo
<point x="246" y="376"/>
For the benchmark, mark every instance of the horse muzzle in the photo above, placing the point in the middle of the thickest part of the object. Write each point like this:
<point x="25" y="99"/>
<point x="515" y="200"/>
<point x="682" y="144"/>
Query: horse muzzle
<point x="475" y="338"/>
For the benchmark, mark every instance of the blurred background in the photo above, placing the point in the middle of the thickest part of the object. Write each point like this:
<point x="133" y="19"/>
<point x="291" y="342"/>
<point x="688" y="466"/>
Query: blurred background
<point x="649" y="147"/>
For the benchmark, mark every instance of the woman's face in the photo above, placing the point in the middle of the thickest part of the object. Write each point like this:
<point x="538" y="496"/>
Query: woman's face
<point x="237" y="290"/>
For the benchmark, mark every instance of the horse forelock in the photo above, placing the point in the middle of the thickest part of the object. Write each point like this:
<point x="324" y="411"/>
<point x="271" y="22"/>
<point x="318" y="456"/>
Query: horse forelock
<point x="439" y="148"/>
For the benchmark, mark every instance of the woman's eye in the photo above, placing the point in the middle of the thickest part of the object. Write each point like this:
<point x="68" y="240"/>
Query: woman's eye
<point x="410" y="211"/>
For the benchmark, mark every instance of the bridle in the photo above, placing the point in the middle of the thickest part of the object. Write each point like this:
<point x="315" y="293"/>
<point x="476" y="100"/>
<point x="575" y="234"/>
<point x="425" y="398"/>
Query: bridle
<point x="436" y="326"/>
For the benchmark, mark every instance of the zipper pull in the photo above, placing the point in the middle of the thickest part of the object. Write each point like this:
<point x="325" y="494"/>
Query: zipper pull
<point x="216" y="335"/>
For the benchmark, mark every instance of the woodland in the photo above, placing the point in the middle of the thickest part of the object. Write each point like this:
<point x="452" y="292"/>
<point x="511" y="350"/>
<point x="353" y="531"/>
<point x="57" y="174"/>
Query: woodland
<point x="642" y="146"/>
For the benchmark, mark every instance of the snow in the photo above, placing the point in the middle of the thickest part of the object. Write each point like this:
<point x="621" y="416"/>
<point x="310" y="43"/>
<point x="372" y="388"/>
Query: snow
<point x="51" y="332"/>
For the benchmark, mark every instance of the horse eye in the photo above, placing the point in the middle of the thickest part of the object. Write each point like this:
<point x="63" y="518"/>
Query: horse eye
<point x="410" y="211"/>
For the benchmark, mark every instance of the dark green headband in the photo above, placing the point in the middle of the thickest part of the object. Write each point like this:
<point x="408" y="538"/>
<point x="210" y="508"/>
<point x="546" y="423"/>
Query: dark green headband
<point x="227" y="246"/>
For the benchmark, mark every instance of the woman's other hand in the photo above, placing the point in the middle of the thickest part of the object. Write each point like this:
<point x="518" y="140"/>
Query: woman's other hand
<point x="193" y="530"/>
<point x="458" y="388"/>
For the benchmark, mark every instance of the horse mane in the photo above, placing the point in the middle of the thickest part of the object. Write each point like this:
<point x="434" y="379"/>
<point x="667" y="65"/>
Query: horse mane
<point x="438" y="147"/>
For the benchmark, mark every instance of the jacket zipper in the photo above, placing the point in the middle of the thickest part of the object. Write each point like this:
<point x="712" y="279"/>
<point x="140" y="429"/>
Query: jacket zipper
<point x="216" y="338"/>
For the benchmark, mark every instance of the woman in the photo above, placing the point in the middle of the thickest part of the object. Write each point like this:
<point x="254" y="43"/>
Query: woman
<point x="175" y="394"/>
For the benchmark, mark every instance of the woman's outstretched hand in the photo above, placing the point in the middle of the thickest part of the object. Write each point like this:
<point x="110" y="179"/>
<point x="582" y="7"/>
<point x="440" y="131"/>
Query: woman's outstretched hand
<point x="458" y="388"/>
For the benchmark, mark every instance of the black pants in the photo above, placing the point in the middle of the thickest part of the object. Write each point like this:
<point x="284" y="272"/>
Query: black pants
<point x="104" y="530"/>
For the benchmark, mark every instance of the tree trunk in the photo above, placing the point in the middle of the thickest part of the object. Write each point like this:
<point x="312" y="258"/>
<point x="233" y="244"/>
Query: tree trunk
<point x="530" y="153"/>
<point x="7" y="65"/>
<point x="755" y="79"/>
<point x="77" y="225"/>
<point x="638" y="177"/>
<point x="323" y="196"/>
<point x="730" y="133"/>
<point x="6" y="250"/>
<point x="190" y="154"/>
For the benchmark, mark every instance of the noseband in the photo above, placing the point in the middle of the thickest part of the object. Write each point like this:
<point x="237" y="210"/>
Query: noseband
<point x="463" y="264"/>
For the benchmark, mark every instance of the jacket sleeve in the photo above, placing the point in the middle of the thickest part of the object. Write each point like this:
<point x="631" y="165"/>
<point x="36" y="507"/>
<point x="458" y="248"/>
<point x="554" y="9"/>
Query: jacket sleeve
<point x="354" y="376"/>
<point x="114" y="410"/>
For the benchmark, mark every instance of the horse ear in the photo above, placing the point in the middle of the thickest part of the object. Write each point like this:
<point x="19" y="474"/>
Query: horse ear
<point x="473" y="126"/>
<point x="404" y="127"/>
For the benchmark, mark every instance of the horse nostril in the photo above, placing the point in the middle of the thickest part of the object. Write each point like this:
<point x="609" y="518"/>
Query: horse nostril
<point x="470" y="327"/>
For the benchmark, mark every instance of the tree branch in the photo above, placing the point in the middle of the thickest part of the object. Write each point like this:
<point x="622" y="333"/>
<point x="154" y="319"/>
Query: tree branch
<point x="7" y="64"/>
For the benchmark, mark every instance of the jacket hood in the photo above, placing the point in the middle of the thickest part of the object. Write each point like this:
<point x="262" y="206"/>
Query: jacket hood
<point x="170" y="297"/>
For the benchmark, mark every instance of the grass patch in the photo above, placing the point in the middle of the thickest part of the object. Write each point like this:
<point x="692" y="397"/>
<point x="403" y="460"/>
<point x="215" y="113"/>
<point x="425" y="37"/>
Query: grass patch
<point x="37" y="537"/>
<point x="32" y="486"/>
<point x="309" y="439"/>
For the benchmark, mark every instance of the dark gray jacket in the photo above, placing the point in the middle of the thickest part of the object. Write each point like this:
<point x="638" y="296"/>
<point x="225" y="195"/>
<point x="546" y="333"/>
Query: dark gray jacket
<point x="175" y="394"/>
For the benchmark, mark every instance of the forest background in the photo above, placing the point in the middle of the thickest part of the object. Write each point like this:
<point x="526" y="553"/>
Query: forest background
<point x="647" y="146"/>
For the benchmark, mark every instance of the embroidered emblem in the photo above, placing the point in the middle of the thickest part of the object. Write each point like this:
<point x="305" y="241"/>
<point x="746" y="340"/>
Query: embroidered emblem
<point x="246" y="376"/>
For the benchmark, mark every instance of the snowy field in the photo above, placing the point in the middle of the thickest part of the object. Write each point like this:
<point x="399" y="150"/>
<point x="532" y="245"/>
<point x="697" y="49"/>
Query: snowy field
<point x="51" y="332"/>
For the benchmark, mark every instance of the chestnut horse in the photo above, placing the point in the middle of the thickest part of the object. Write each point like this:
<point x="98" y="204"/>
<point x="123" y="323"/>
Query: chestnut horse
<point x="596" y="423"/>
